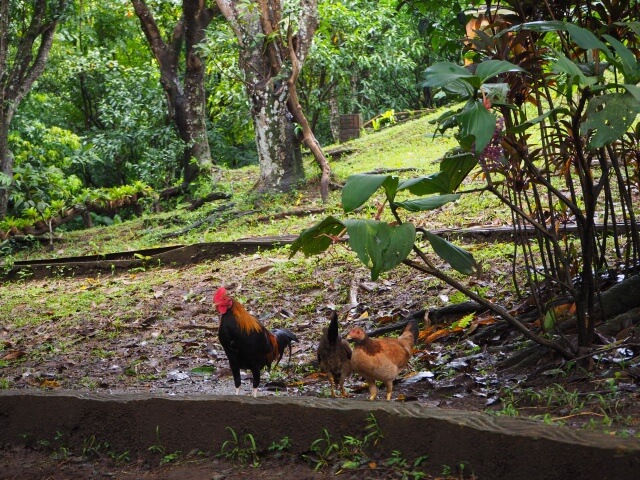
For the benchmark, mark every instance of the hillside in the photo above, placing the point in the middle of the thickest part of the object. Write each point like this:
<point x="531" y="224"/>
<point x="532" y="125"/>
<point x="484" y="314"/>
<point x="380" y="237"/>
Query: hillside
<point x="153" y="328"/>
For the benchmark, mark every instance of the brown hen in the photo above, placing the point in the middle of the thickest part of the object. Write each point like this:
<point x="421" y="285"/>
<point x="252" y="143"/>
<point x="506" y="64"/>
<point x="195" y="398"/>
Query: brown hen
<point x="382" y="359"/>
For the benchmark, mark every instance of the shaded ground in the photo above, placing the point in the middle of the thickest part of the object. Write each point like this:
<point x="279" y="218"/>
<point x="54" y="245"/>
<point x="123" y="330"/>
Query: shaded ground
<point x="155" y="331"/>
<point x="28" y="464"/>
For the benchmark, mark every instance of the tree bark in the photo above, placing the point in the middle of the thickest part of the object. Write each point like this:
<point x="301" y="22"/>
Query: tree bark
<point x="184" y="90"/>
<point x="28" y="44"/>
<point x="271" y="67"/>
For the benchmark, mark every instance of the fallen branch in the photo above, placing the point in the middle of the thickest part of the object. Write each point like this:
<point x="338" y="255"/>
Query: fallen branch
<point x="378" y="171"/>
<point x="436" y="315"/>
<point x="291" y="213"/>
<point x="208" y="219"/>
<point x="335" y="186"/>
<point x="594" y="414"/>
<point x="198" y="202"/>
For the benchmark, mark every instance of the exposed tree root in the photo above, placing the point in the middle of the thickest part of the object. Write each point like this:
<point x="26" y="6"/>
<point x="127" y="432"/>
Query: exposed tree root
<point x="212" y="217"/>
<point x="198" y="202"/>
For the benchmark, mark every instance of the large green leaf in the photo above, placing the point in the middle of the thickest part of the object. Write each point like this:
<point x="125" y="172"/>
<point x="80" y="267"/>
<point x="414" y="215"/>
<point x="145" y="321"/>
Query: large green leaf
<point x="564" y="65"/>
<point x="476" y="124"/>
<point x="585" y="39"/>
<point x="459" y="88"/>
<point x="453" y="170"/>
<point x="634" y="26"/>
<point x="443" y="73"/>
<point x="359" y="188"/>
<point x="456" y="168"/>
<point x="633" y="90"/>
<point x="318" y="238"/>
<point x="379" y="245"/>
<point x="610" y="116"/>
<point x="628" y="61"/>
<point x="491" y="68"/>
<point x="457" y="257"/>
<point x="428" y="203"/>
<point x="435" y="183"/>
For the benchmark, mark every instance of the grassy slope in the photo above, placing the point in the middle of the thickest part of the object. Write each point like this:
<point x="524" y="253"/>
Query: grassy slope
<point x="128" y="331"/>
<point x="409" y="145"/>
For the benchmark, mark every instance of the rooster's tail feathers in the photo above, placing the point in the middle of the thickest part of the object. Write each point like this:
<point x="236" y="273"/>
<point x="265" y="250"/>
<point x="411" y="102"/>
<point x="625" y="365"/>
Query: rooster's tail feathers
<point x="284" y="337"/>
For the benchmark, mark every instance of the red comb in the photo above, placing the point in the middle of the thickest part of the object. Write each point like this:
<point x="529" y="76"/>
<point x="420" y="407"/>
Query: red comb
<point x="219" y="296"/>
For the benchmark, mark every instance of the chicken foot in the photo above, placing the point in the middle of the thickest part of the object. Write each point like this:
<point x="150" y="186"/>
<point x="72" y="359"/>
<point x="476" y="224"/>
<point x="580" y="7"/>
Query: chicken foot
<point x="373" y="389"/>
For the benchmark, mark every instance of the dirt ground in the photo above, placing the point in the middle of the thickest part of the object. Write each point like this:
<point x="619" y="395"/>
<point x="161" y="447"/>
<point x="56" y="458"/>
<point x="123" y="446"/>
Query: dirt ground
<point x="25" y="463"/>
<point x="28" y="464"/>
<point x="156" y="332"/>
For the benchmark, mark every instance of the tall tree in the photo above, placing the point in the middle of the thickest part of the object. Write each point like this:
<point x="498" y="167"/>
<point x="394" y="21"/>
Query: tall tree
<point x="26" y="35"/>
<point x="183" y="85"/>
<point x="274" y="43"/>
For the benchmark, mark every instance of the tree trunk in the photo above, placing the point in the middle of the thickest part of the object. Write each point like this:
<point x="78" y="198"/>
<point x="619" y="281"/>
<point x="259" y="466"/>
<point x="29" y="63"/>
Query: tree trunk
<point x="6" y="167"/>
<point x="184" y="89"/>
<point x="27" y="43"/>
<point x="271" y="60"/>
<point x="619" y="299"/>
<point x="279" y="153"/>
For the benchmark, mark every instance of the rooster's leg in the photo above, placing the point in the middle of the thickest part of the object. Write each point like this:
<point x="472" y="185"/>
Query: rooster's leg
<point x="236" y="379"/>
<point x="389" y="385"/>
<point x="373" y="390"/>
<point x="256" y="381"/>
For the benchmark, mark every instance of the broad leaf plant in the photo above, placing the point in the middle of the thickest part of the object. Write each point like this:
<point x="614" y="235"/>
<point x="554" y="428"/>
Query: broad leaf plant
<point x="582" y="89"/>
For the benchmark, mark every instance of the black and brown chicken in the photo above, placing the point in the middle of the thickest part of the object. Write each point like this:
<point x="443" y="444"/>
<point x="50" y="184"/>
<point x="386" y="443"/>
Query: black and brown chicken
<point x="334" y="356"/>
<point x="247" y="343"/>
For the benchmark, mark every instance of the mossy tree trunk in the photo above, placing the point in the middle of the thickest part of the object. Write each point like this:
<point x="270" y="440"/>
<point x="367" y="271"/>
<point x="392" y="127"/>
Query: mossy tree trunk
<point x="272" y="52"/>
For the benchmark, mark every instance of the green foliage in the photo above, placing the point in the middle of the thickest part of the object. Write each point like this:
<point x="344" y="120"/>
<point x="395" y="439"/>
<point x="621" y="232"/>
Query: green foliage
<point x="167" y="457"/>
<point x="243" y="451"/>
<point x="582" y="112"/>
<point x="476" y="124"/>
<point x="368" y="56"/>
<point x="231" y="134"/>
<point x="382" y="246"/>
<point x="101" y="86"/>
<point x="281" y="445"/>
<point x="353" y="452"/>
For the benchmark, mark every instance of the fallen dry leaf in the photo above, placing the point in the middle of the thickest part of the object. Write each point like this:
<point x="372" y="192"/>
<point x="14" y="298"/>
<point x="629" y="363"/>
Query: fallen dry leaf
<point x="13" y="355"/>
